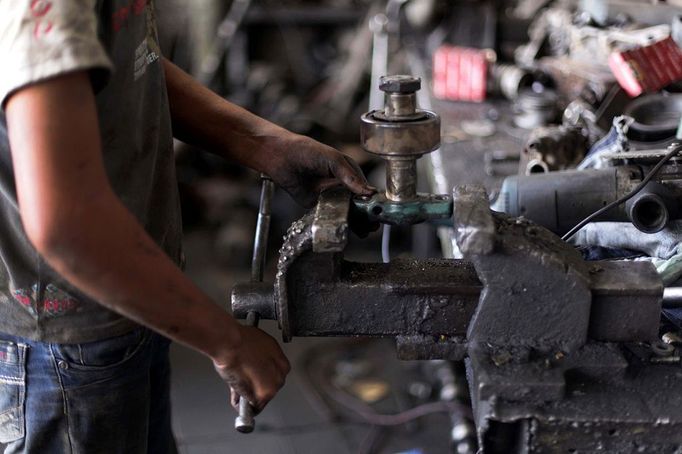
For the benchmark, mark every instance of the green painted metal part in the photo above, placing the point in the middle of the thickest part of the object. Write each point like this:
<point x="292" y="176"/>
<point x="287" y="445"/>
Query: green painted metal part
<point x="426" y="207"/>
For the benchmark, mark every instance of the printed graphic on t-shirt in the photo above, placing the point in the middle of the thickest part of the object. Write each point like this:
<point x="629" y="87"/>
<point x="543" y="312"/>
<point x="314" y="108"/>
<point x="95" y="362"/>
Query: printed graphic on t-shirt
<point x="39" y="13"/>
<point x="122" y="15"/>
<point x="52" y="301"/>
<point x="148" y="51"/>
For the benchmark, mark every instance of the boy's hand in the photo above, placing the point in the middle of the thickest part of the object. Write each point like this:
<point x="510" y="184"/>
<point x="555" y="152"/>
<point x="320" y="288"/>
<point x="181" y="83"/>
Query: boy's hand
<point x="256" y="369"/>
<point x="305" y="167"/>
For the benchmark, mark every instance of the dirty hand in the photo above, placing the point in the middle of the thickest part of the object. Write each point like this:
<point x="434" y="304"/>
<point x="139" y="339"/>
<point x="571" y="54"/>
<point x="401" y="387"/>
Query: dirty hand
<point x="304" y="167"/>
<point x="256" y="369"/>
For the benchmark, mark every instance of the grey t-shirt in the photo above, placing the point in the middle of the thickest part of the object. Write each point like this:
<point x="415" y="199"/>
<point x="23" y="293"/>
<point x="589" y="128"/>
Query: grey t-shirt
<point x="116" y="41"/>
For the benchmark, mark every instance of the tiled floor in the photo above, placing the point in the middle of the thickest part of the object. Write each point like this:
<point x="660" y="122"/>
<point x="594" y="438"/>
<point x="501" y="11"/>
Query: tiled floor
<point x="203" y="418"/>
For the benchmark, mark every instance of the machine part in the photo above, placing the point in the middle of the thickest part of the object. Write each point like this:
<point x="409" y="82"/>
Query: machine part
<point x="672" y="297"/>
<point x="553" y="342"/>
<point x="563" y="273"/>
<point x="648" y="212"/>
<point x="481" y="238"/>
<point x="428" y="305"/>
<point x="559" y="201"/>
<point x="553" y="148"/>
<point x="297" y="241"/>
<point x="400" y="134"/>
<point x="674" y="150"/>
<point x="510" y="80"/>
<point x="253" y="297"/>
<point x="330" y="228"/>
<point x="535" y="109"/>
<point x="260" y="243"/>
<point x="520" y="386"/>
<point x="656" y="117"/>
<point x="579" y="79"/>
<point x="672" y="338"/>
<point x="245" y="422"/>
<point x="421" y="208"/>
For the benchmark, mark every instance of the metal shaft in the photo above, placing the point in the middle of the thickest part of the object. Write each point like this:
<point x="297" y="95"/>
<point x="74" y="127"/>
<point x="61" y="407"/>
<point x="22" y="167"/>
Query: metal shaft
<point x="401" y="179"/>
<point x="399" y="105"/>
<point x="245" y="422"/>
<point x="672" y="298"/>
<point x="260" y="242"/>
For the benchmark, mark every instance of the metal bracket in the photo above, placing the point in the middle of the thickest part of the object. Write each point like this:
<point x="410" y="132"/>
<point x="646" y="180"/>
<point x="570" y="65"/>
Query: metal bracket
<point x="425" y="207"/>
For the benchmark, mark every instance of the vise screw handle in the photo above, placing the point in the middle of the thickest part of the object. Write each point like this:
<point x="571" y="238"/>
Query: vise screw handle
<point x="245" y="422"/>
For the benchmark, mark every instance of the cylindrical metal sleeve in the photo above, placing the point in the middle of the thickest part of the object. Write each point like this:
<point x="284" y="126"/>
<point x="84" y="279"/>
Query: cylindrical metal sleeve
<point x="401" y="179"/>
<point x="400" y="105"/>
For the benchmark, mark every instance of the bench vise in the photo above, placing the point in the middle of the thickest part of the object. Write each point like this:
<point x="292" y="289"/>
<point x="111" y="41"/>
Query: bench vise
<point x="562" y="355"/>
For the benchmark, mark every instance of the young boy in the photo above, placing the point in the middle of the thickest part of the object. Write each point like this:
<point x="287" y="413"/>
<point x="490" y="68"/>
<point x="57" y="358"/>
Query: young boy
<point x="90" y="237"/>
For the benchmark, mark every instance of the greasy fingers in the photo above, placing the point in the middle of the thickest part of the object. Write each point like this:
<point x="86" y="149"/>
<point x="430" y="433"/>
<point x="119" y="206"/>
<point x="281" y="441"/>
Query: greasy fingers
<point x="234" y="399"/>
<point x="265" y="392"/>
<point x="255" y="370"/>
<point x="347" y="170"/>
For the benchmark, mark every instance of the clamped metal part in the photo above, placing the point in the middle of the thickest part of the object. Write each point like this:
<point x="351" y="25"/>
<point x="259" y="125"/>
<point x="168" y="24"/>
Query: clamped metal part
<point x="245" y="422"/>
<point x="400" y="134"/>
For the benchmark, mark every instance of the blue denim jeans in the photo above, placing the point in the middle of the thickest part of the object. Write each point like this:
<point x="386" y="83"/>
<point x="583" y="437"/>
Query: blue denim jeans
<point x="108" y="396"/>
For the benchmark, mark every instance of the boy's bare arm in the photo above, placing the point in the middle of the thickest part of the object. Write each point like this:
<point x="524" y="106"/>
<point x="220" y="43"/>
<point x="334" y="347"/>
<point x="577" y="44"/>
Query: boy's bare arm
<point x="297" y="163"/>
<point x="84" y="232"/>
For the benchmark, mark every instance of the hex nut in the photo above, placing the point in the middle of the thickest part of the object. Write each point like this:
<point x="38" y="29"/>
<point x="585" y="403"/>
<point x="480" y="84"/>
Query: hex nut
<point x="400" y="84"/>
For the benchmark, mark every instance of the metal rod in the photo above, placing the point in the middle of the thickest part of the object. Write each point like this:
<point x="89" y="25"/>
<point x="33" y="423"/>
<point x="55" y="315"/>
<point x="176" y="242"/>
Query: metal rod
<point x="226" y="31"/>
<point x="245" y="422"/>
<point x="672" y="298"/>
<point x="260" y="242"/>
<point x="378" y="25"/>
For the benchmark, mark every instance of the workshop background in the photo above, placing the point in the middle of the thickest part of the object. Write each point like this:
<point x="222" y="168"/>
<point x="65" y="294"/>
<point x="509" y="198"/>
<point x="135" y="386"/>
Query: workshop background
<point x="523" y="88"/>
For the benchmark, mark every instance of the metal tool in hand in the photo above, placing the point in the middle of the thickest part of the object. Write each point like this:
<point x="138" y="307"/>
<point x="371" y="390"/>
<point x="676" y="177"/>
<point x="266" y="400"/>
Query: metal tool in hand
<point x="245" y="422"/>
